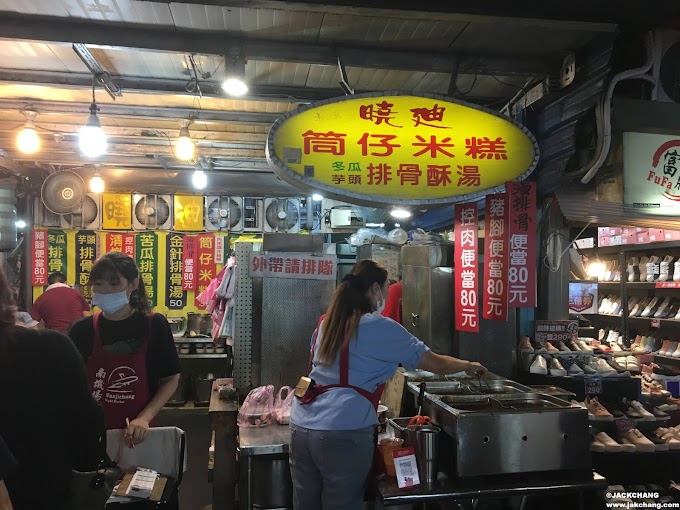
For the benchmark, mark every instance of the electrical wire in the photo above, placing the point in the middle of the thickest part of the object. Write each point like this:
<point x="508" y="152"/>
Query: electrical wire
<point x="474" y="82"/>
<point x="518" y="87"/>
<point x="555" y="264"/>
<point x="321" y="219"/>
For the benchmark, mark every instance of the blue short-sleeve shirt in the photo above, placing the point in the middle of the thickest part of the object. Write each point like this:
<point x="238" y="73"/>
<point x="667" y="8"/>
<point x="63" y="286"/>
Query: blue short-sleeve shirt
<point x="375" y="351"/>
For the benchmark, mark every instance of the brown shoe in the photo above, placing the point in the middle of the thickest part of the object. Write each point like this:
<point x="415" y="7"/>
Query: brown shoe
<point x="597" y="410"/>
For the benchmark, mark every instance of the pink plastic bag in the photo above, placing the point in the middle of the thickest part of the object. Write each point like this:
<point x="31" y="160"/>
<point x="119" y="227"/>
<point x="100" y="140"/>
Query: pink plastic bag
<point x="258" y="408"/>
<point x="283" y="405"/>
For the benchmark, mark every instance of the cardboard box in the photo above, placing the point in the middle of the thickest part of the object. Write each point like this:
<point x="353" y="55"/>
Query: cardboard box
<point x="615" y="240"/>
<point x="630" y="238"/>
<point x="671" y="235"/>
<point x="615" y="231"/>
<point x="641" y="230"/>
<point x="656" y="235"/>
<point x="603" y="231"/>
<point x="630" y="230"/>
<point x="604" y="241"/>
<point x="643" y="238"/>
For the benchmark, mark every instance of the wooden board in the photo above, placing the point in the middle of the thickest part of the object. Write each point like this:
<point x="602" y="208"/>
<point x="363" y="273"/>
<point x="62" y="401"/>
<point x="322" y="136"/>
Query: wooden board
<point x="393" y="396"/>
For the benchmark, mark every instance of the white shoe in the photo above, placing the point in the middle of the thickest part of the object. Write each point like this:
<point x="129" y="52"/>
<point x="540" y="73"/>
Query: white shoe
<point x="651" y="305"/>
<point x="671" y="349"/>
<point x="539" y="366"/>
<point x="563" y="348"/>
<point x="604" y="369"/>
<point x="676" y="352"/>
<point x="676" y="271"/>
<point x="575" y="371"/>
<point x="653" y="269"/>
<point x="556" y="368"/>
<point x="584" y="347"/>
<point x="642" y="444"/>
<point x="663" y="307"/>
<point x="666" y="268"/>
<point x="646" y="415"/>
<point x="609" y="444"/>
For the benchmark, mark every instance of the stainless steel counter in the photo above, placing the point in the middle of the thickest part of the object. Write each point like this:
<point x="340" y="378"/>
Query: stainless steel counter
<point x="270" y="440"/>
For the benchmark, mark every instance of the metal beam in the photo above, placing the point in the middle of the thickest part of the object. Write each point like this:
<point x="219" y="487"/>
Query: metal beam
<point x="99" y="73"/>
<point x="69" y="30"/>
<point x="144" y="112"/>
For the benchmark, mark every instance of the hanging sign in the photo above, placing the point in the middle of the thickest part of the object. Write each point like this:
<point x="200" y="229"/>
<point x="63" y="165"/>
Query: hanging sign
<point x="400" y="149"/>
<point x="147" y="261"/>
<point x="86" y="254"/>
<point x="205" y="263"/>
<point x="117" y="209"/>
<point x="219" y="249"/>
<point x="57" y="252"/>
<point x="188" y="213"/>
<point x="583" y="297"/>
<point x="651" y="172"/>
<point x="496" y="258"/>
<point x="465" y="268"/>
<point x="555" y="331"/>
<point x="522" y="240"/>
<point x="188" y="267"/>
<point x="176" y="297"/>
<point x="124" y="243"/>
<point x="292" y="265"/>
<point x="39" y="248"/>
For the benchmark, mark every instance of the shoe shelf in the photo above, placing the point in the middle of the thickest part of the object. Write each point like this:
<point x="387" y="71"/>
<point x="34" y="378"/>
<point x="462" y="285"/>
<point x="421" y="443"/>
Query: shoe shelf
<point x="635" y="317"/>
<point x="633" y="248"/>
<point x="669" y="360"/>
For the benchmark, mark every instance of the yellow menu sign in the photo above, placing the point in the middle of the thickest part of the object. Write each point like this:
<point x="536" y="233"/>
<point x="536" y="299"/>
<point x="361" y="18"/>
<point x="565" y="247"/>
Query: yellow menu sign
<point x="400" y="149"/>
<point x="117" y="211"/>
<point x="188" y="213"/>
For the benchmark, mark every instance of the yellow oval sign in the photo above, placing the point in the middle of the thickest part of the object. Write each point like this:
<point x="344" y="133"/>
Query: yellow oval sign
<point x="398" y="148"/>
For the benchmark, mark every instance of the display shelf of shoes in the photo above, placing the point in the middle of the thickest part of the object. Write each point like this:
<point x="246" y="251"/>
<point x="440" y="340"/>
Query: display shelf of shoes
<point x="669" y="360"/>
<point x="634" y="248"/>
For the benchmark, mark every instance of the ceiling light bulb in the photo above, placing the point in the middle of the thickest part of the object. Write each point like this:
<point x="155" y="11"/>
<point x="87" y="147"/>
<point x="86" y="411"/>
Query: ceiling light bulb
<point x="184" y="148"/>
<point x="28" y="140"/>
<point x="92" y="140"/>
<point x="401" y="214"/>
<point x="199" y="179"/>
<point x="596" y="269"/>
<point x="20" y="224"/>
<point x="97" y="183"/>
<point x="234" y="86"/>
<point x="317" y="198"/>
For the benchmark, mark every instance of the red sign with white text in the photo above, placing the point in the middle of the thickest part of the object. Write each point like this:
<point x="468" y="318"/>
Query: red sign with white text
<point x="39" y="257"/>
<point x="205" y="263"/>
<point x="522" y="241"/>
<point x="466" y="268"/>
<point x="124" y="243"/>
<point x="496" y="258"/>
<point x="189" y="259"/>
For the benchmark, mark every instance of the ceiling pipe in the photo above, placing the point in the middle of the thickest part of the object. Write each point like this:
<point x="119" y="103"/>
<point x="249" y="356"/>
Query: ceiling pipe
<point x="604" y="109"/>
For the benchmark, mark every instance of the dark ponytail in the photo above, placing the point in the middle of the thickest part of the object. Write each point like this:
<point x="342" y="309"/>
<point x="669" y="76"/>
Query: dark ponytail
<point x="111" y="267"/>
<point x="348" y="304"/>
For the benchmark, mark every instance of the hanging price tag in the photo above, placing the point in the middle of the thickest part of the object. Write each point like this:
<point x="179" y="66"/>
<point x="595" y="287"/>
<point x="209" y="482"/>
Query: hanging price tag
<point x="624" y="425"/>
<point x="593" y="386"/>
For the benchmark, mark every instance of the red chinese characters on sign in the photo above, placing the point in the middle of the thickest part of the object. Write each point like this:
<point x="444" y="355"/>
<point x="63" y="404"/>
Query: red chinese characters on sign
<point x="39" y="254"/>
<point x="124" y="243"/>
<point x="522" y="244"/>
<point x="324" y="143"/>
<point x="188" y="265"/>
<point x="495" y="306"/>
<point x="485" y="148"/>
<point x="433" y="146"/>
<point x="378" y="113"/>
<point x="381" y="141"/>
<point x="205" y="263"/>
<point x="379" y="174"/>
<point x="287" y="265"/>
<point x="466" y="268"/>
<point x="425" y="116"/>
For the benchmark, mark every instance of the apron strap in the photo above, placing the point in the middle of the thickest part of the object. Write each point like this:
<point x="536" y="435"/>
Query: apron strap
<point x="315" y="336"/>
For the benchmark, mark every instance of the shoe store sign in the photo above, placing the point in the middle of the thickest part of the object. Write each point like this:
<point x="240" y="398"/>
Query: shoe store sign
<point x="400" y="149"/>
<point x="583" y="297"/>
<point x="651" y="172"/>
<point x="556" y="331"/>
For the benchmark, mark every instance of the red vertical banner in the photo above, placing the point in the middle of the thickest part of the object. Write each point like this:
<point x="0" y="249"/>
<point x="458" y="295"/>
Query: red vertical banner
<point x="522" y="241"/>
<point x="124" y="243"/>
<point x="39" y="257"/>
<point x="188" y="267"/>
<point x="495" y="305"/>
<point x="466" y="268"/>
<point x="205" y="263"/>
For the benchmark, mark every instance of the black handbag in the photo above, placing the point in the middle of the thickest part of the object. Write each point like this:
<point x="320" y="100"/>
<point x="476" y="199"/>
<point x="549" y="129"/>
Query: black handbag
<point x="90" y="490"/>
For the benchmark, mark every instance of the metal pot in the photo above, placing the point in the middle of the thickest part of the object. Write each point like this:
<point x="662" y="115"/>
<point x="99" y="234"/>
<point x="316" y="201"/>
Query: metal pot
<point x="203" y="385"/>
<point x="194" y="323"/>
<point x="270" y="483"/>
<point x="177" y="325"/>
<point x="207" y="325"/>
<point x="179" y="397"/>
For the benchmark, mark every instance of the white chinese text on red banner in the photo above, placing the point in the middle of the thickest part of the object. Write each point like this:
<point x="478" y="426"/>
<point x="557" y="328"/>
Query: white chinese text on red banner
<point x="495" y="305"/>
<point x="522" y="240"/>
<point x="39" y="254"/>
<point x="292" y="265"/>
<point x="466" y="268"/>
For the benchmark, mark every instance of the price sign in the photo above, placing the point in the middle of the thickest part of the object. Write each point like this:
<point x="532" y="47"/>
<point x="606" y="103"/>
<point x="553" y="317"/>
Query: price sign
<point x="624" y="425"/>
<point x="593" y="386"/>
<point x="406" y="467"/>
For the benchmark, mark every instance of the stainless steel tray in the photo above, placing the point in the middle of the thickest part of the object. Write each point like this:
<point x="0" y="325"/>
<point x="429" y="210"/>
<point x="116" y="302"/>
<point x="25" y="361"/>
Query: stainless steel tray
<point x="529" y="402"/>
<point x="469" y="387"/>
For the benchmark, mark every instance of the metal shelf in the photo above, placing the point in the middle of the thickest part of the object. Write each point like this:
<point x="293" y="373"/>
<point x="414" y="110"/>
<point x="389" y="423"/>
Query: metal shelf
<point x="192" y="340"/>
<point x="631" y="248"/>
<point x="652" y="319"/>
<point x="203" y="356"/>
<point x="658" y="358"/>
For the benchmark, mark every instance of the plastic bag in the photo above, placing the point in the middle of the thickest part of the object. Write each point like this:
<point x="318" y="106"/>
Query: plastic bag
<point x="282" y="406"/>
<point x="258" y="408"/>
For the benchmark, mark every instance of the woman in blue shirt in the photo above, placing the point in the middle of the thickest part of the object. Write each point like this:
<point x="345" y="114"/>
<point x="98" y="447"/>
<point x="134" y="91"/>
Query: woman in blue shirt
<point x="355" y="350"/>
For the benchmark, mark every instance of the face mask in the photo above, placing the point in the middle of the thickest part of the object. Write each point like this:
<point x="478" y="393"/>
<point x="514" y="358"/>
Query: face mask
<point x="381" y="303"/>
<point x="110" y="303"/>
